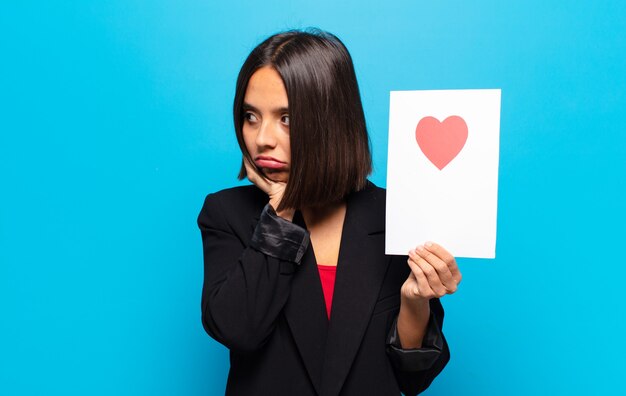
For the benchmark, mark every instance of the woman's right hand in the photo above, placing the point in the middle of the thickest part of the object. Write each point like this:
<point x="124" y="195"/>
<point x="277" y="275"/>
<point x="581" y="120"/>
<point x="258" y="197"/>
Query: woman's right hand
<point x="274" y="190"/>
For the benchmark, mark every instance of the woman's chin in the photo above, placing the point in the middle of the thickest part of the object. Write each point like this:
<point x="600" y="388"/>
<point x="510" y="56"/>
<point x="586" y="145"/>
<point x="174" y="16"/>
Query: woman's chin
<point x="276" y="176"/>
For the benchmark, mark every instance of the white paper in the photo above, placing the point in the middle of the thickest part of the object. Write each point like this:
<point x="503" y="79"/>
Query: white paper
<point x="455" y="206"/>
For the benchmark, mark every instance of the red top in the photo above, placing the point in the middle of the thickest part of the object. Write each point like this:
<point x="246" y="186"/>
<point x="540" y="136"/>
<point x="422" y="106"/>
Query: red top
<point x="327" y="276"/>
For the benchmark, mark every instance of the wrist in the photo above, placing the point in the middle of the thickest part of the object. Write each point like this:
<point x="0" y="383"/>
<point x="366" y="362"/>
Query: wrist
<point x="417" y="307"/>
<point x="286" y="214"/>
<point x="412" y="322"/>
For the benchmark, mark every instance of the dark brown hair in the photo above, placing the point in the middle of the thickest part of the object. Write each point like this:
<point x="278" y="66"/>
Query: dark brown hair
<point x="330" y="153"/>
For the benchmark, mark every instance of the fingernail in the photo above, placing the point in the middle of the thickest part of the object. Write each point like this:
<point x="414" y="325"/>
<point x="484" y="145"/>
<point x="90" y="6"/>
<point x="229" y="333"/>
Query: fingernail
<point x="428" y="244"/>
<point x="420" y="248"/>
<point x="415" y="290"/>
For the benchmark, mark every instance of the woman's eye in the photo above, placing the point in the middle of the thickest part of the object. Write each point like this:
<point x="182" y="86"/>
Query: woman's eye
<point x="249" y="117"/>
<point x="285" y="120"/>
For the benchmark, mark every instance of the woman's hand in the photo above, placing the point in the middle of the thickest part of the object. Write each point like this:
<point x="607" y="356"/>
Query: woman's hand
<point x="274" y="190"/>
<point x="434" y="273"/>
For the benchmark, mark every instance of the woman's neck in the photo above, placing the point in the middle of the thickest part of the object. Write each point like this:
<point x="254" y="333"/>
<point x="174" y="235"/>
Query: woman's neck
<point x="325" y="226"/>
<point x="316" y="215"/>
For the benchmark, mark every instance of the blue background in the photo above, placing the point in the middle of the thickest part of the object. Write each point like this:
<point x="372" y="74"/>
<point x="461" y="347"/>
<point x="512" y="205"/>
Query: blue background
<point x="115" y="122"/>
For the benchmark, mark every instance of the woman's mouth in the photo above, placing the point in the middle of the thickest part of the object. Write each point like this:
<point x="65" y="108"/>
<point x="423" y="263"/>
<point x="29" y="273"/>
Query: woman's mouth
<point x="269" y="162"/>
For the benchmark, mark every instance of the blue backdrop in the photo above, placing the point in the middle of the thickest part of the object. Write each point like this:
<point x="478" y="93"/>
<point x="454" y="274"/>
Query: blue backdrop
<point x="115" y="121"/>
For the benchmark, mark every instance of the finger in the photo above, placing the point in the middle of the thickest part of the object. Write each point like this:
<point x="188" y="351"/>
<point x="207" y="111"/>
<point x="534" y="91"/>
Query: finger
<point x="432" y="277"/>
<point x="443" y="272"/>
<point x="440" y="266"/>
<point x="423" y="286"/>
<point x="447" y="258"/>
<point x="409" y="287"/>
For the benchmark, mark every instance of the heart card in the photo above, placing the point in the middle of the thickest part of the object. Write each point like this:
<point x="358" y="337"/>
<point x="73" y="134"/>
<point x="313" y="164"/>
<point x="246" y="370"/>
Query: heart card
<point x="442" y="171"/>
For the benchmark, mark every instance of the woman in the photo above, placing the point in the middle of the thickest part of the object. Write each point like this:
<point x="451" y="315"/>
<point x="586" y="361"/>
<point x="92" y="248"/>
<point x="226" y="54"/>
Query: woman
<point x="296" y="281"/>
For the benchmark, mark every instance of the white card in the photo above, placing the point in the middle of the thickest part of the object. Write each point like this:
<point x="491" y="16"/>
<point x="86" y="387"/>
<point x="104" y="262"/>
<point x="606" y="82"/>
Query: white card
<point x="442" y="171"/>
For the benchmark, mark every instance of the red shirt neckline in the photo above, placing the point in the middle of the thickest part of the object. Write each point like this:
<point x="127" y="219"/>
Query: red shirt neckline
<point x="327" y="277"/>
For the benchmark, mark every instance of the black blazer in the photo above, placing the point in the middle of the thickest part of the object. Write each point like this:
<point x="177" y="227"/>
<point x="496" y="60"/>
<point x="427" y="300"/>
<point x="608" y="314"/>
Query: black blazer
<point x="262" y="298"/>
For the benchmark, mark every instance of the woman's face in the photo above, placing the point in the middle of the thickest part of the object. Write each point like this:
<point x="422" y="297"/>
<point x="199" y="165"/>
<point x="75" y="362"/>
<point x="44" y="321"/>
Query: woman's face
<point x="266" y="124"/>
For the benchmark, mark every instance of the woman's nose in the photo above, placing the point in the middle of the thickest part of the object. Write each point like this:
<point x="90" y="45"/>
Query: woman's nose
<point x="266" y="137"/>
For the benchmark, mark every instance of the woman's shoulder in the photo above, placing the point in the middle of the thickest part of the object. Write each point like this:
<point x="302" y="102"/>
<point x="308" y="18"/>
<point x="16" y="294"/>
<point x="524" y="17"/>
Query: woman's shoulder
<point x="247" y="192"/>
<point x="372" y="192"/>
<point x="240" y="201"/>
<point x="375" y="188"/>
<point x="370" y="203"/>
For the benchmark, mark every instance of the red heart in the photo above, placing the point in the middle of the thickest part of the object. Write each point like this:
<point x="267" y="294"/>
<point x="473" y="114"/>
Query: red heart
<point x="441" y="141"/>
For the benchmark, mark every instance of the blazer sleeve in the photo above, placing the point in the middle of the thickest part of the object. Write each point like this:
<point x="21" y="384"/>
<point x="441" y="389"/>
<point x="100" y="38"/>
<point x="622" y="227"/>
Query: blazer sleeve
<point x="415" y="369"/>
<point x="246" y="285"/>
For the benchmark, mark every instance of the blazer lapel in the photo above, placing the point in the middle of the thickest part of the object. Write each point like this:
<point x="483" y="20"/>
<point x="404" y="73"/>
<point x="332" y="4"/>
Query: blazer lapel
<point x="306" y="313"/>
<point x="360" y="273"/>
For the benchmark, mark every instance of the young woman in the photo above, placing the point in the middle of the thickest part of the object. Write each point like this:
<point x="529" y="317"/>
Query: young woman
<point x="296" y="283"/>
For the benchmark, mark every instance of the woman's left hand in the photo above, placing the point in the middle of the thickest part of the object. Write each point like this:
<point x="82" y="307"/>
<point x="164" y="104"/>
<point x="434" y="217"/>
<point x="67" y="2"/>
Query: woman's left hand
<point x="434" y="273"/>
